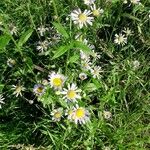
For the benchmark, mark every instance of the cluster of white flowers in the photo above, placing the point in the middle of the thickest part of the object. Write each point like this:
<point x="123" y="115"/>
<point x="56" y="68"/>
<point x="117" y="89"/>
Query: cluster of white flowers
<point x="87" y="62"/>
<point x="121" y="38"/>
<point x="75" y="114"/>
<point x="70" y="95"/>
<point x="52" y="38"/>
<point x="86" y="17"/>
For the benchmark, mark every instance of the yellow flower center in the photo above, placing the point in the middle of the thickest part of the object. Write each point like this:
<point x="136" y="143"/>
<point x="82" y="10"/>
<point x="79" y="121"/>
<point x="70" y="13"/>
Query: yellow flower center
<point x="57" y="115"/>
<point x="39" y="89"/>
<point x="120" y="39"/>
<point x="96" y="12"/>
<point x="80" y="113"/>
<point x="57" y="82"/>
<point x="71" y="94"/>
<point x="82" y="17"/>
<point x="18" y="89"/>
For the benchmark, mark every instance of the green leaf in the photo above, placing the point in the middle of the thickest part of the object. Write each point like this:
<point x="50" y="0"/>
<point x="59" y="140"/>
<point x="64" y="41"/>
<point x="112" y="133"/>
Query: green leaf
<point x="90" y="87"/>
<point x="4" y="40"/>
<point x="83" y="47"/>
<point x="131" y="17"/>
<point x="115" y="1"/>
<point x="73" y="59"/>
<point x="97" y="83"/>
<point x="1" y="87"/>
<point x="61" y="29"/>
<point x="61" y="50"/>
<point x="24" y="37"/>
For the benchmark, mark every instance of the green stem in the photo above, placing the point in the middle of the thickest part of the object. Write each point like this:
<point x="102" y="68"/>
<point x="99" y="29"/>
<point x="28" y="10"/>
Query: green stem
<point x="55" y="10"/>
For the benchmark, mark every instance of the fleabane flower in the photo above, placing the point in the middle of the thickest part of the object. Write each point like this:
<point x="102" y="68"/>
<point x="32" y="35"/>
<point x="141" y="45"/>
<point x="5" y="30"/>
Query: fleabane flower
<point x="135" y="1"/>
<point x="84" y="56"/>
<point x="18" y="89"/>
<point x="127" y="31"/>
<point x="1" y="101"/>
<point x="42" y="46"/>
<point x="120" y="39"/>
<point x="57" y="114"/>
<point x="82" y="76"/>
<point x="96" y="11"/>
<point x="107" y="115"/>
<point x="72" y="93"/>
<point x="82" y="18"/>
<point x="95" y="71"/>
<point x="39" y="89"/>
<point x="96" y="55"/>
<point x="69" y="113"/>
<point x="42" y="30"/>
<point x="13" y="29"/>
<point x="11" y="62"/>
<point x="80" y="115"/>
<point x="89" y="2"/>
<point x="86" y="65"/>
<point x="136" y="64"/>
<point x="57" y="80"/>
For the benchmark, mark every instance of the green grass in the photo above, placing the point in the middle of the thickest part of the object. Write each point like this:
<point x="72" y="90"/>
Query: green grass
<point x="122" y="89"/>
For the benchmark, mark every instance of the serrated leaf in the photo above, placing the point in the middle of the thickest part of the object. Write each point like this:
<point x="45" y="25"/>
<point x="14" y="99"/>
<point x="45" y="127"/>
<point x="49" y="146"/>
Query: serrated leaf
<point x="61" y="50"/>
<point x="4" y="40"/>
<point x="24" y="37"/>
<point x="61" y="29"/>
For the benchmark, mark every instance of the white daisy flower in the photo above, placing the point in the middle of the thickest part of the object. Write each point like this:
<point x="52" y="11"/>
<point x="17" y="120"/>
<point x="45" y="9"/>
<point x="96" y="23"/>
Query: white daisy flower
<point x="11" y="62"/>
<point x="86" y="65"/>
<point x="45" y="82"/>
<point x="1" y="100"/>
<point x="42" y="46"/>
<point x="55" y="36"/>
<point x="106" y="148"/>
<point x="96" y="55"/>
<point x="135" y="1"/>
<point x="57" y="80"/>
<point x="96" y="72"/>
<point x="83" y="76"/>
<point x="84" y="56"/>
<point x="72" y="93"/>
<point x="107" y="115"/>
<point x="57" y="114"/>
<point x="120" y="39"/>
<point x="82" y="18"/>
<point x="69" y="113"/>
<point x="18" y="90"/>
<point x="125" y="1"/>
<point x="39" y="89"/>
<point x="42" y="30"/>
<point x="96" y="11"/>
<point x="136" y="64"/>
<point x="80" y="115"/>
<point x="127" y="31"/>
<point x="89" y="2"/>
<point x="13" y="29"/>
